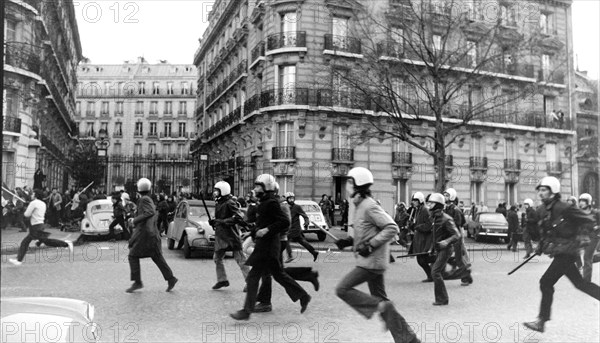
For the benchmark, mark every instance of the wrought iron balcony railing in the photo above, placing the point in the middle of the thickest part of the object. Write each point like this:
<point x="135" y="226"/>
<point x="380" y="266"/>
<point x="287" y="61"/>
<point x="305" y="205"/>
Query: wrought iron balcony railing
<point x="554" y="168"/>
<point x="284" y="96"/>
<point x="401" y="158"/>
<point x="342" y="155"/>
<point x="258" y="51"/>
<point x="478" y="163"/>
<point x="288" y="39"/>
<point x="343" y="43"/>
<point x="23" y="56"/>
<point x="512" y="164"/>
<point x="12" y="124"/>
<point x="283" y="153"/>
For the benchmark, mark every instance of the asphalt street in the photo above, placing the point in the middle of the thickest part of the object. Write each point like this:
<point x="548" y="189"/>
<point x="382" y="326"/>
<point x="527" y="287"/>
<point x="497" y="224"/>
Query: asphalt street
<point x="490" y="310"/>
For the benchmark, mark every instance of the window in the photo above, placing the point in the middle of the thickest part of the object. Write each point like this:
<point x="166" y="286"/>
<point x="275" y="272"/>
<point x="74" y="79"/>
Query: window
<point x="285" y="135"/>
<point x="152" y="148"/>
<point x="546" y="64"/>
<point x="156" y="88"/>
<point x="142" y="88"/>
<point x="472" y="53"/>
<point x="107" y="87"/>
<point x="117" y="149"/>
<point x="340" y="33"/>
<point x="543" y="23"/>
<point x="89" y="109"/>
<point x="118" y="129"/>
<point x="549" y="106"/>
<point x="437" y="43"/>
<point x="510" y="149"/>
<point x="185" y="88"/>
<point x="551" y="152"/>
<point x="397" y="38"/>
<point x="473" y="9"/>
<point x="180" y="150"/>
<point x="119" y="108"/>
<point x="341" y="91"/>
<point x="11" y="30"/>
<point x="104" y="126"/>
<point x="182" y="107"/>
<point x="170" y="88"/>
<point x="477" y="147"/>
<point x="153" y="130"/>
<point x="287" y="77"/>
<point x="167" y="149"/>
<point x="181" y="129"/>
<point x="340" y="137"/>
<point x="139" y="128"/>
<point x="77" y="107"/>
<point x="104" y="107"/>
<point x="137" y="149"/>
<point x="400" y="146"/>
<point x="154" y="107"/>
<point x="288" y="29"/>
<point x="89" y="131"/>
<point x="167" y="129"/>
<point x="168" y="107"/>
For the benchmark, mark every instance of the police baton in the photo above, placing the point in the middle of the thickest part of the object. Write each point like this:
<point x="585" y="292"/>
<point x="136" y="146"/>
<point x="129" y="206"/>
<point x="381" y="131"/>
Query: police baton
<point x="205" y="207"/>
<point x="327" y="232"/>
<point x="522" y="264"/>
<point x="412" y="255"/>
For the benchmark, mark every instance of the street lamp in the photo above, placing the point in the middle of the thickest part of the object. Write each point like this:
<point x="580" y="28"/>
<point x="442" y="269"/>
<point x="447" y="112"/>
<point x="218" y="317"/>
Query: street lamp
<point x="102" y="145"/>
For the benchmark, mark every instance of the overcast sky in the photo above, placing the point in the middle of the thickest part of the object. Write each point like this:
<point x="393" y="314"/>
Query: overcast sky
<point x="112" y="32"/>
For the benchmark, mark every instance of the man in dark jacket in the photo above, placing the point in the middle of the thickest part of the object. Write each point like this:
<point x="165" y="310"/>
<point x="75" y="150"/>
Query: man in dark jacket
<point x="422" y="241"/>
<point x="227" y="236"/>
<point x="163" y="213"/>
<point x="118" y="214"/>
<point x="444" y="235"/>
<point x="461" y="261"/>
<point x="530" y="227"/>
<point x="295" y="234"/>
<point x="145" y="240"/>
<point x="266" y="257"/>
<point x="513" y="226"/>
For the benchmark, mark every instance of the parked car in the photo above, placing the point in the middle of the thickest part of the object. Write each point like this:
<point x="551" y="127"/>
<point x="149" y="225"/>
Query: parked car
<point x="98" y="216"/>
<point x="190" y="229"/>
<point x="45" y="319"/>
<point x="316" y="218"/>
<point x="490" y="224"/>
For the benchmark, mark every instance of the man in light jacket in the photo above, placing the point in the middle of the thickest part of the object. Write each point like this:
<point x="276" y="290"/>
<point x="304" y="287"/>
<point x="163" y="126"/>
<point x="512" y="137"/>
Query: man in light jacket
<point x="374" y="229"/>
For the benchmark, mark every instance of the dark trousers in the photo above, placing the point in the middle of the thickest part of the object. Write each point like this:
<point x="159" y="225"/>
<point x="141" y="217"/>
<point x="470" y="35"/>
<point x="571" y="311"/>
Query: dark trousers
<point x="111" y="228"/>
<point x="588" y="257"/>
<point x="53" y="216"/>
<point x="422" y="260"/>
<point x="36" y="232"/>
<point x="303" y="242"/>
<point x="162" y="223"/>
<point x="513" y="241"/>
<point x="437" y="270"/>
<point x="296" y="273"/>
<point x="563" y="265"/>
<point x="158" y="259"/>
<point x="366" y="304"/>
<point x="275" y="269"/>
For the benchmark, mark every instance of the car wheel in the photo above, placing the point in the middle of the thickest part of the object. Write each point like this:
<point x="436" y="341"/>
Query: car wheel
<point x="469" y="235"/>
<point x="321" y="236"/>
<point x="478" y="237"/>
<point x="506" y="240"/>
<point x="180" y="243"/>
<point x="170" y="243"/>
<point x="187" y="251"/>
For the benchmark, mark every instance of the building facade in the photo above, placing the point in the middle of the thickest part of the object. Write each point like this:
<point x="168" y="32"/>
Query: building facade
<point x="586" y="98"/>
<point x="267" y="103"/>
<point x="42" y="50"/>
<point x="146" y="112"/>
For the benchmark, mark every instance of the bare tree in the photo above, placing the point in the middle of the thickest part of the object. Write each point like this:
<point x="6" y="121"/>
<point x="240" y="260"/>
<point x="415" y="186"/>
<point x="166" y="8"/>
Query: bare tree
<point x="439" y="62"/>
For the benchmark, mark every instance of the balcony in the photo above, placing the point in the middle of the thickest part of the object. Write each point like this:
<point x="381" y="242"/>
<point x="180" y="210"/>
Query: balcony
<point x="342" y="98"/>
<point x="341" y="155"/>
<point x="346" y="44"/>
<point x="401" y="159"/>
<point x="152" y="135"/>
<point x="449" y="161"/>
<point x="258" y="51"/>
<point x="252" y="104"/>
<point x="173" y="135"/>
<point x="288" y="39"/>
<point x="284" y="96"/>
<point x="557" y="77"/>
<point x="11" y="124"/>
<point x="554" y="168"/>
<point x="239" y="162"/>
<point x="512" y="165"/>
<point x="478" y="163"/>
<point x="283" y="153"/>
<point x="23" y="56"/>
<point x="390" y="49"/>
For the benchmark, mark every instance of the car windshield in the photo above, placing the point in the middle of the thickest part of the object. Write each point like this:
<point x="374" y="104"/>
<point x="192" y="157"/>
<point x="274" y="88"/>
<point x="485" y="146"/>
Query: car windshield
<point x="492" y="217"/>
<point x="310" y="208"/>
<point x="101" y="208"/>
<point x="197" y="211"/>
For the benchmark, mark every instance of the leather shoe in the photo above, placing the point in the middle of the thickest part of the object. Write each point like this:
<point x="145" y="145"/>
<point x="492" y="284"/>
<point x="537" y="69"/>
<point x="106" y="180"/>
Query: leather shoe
<point x="439" y="303"/>
<point x="315" y="256"/>
<point x="536" y="325"/>
<point x="134" y="286"/>
<point x="467" y="280"/>
<point x="221" y="284"/>
<point x="240" y="315"/>
<point x="263" y="307"/>
<point x="172" y="283"/>
<point x="304" y="302"/>
<point x="427" y="280"/>
<point x="315" y="280"/>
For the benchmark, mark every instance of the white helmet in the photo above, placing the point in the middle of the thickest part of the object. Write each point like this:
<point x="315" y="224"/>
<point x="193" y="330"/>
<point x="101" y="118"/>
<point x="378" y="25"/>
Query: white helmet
<point x="223" y="187"/>
<point x="586" y="197"/>
<point x="362" y="176"/>
<point x="144" y="185"/>
<point x="125" y="196"/>
<point x="267" y="181"/>
<point x="437" y="198"/>
<point x="451" y="194"/>
<point x="550" y="182"/>
<point x="289" y="195"/>
<point x="528" y="202"/>
<point x="418" y="196"/>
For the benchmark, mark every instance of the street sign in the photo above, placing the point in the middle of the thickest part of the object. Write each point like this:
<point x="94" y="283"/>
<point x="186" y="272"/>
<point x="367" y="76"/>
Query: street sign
<point x="203" y="157"/>
<point x="102" y="144"/>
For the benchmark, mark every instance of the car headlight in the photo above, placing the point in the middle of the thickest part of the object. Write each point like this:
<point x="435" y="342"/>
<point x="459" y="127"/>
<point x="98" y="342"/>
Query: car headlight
<point x="200" y="230"/>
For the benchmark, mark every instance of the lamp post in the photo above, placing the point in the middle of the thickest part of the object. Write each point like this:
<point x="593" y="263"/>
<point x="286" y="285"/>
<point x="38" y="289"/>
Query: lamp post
<point x="102" y="145"/>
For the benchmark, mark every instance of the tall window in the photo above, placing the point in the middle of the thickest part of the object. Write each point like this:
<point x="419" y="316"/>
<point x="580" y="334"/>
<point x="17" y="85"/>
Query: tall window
<point x="117" y="149"/>
<point x="107" y="87"/>
<point x="139" y="128"/>
<point x="340" y="32"/>
<point x="168" y="107"/>
<point x="285" y="135"/>
<point x="472" y="53"/>
<point x="137" y="149"/>
<point x="477" y="147"/>
<point x="181" y="129"/>
<point x="156" y="88"/>
<point x="170" y="88"/>
<point x="288" y="28"/>
<point x="340" y="137"/>
<point x="167" y="149"/>
<point x="180" y="149"/>
<point x="185" y="88"/>
<point x="89" y="110"/>
<point x="152" y="148"/>
<point x="119" y="108"/>
<point x="167" y="129"/>
<point x="104" y="126"/>
<point x="341" y="89"/>
<point x="154" y="107"/>
<point x="142" y="88"/>
<point x="546" y="65"/>
<point x="11" y="30"/>
<point x="90" y="130"/>
<point x="139" y="107"/>
<point x="104" y="107"/>
<point x="77" y="107"/>
<point x="182" y="107"/>
<point x="118" y="129"/>
<point x="153" y="128"/>
<point x="510" y="149"/>
<point x="397" y="38"/>
<point x="437" y="43"/>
